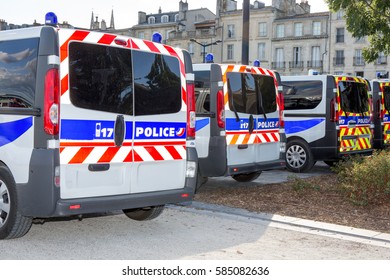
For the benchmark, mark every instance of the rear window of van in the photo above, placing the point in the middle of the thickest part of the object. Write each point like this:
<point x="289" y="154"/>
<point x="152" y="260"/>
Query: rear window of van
<point x="123" y="81"/>
<point x="353" y="97"/>
<point x="386" y="93"/>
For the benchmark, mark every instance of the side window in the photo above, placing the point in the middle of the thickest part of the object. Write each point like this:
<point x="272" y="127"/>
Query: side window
<point x="157" y="84"/>
<point x="100" y="78"/>
<point x="202" y="91"/>
<point x="353" y="97"/>
<point x="18" y="67"/>
<point x="251" y="94"/>
<point x="386" y="92"/>
<point x="300" y="95"/>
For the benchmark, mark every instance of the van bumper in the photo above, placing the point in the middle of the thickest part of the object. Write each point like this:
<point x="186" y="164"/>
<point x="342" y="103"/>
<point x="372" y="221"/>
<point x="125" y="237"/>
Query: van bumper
<point x="256" y="167"/>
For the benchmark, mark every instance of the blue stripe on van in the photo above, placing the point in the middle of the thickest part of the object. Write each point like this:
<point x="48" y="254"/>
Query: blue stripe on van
<point x="10" y="131"/>
<point x="104" y="130"/>
<point x="300" y="126"/>
<point x="201" y="123"/>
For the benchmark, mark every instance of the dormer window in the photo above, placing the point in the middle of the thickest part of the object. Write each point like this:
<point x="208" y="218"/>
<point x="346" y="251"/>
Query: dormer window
<point x="176" y="17"/>
<point x="151" y="20"/>
<point x="164" y="19"/>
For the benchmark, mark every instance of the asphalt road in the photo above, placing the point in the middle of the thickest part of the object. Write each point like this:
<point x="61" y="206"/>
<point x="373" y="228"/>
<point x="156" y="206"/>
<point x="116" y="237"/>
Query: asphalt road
<point x="198" y="232"/>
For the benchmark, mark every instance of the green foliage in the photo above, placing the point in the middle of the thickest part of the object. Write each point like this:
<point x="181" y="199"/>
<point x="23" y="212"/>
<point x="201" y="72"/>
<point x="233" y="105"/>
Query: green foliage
<point x="366" y="180"/>
<point x="300" y="185"/>
<point x="367" y="18"/>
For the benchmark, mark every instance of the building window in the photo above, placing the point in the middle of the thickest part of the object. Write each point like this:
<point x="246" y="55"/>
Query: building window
<point x="261" y="51"/>
<point x="279" y="58"/>
<point x="339" y="59"/>
<point x="359" y="74"/>
<point x="176" y="17"/>
<point x="358" y="59"/>
<point x="315" y="57"/>
<point x="298" y="29"/>
<point x="360" y="40"/>
<point x="339" y="35"/>
<point x="141" y="35"/>
<point x="230" y="30"/>
<point x="340" y="14"/>
<point x="316" y="28"/>
<point x="164" y="19"/>
<point x="382" y="59"/>
<point x="297" y="62"/>
<point x="262" y="29"/>
<point x="151" y="20"/>
<point x="230" y="52"/>
<point x="280" y="31"/>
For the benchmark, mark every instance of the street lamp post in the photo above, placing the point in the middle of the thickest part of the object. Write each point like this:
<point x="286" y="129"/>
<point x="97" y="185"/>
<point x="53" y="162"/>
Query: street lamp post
<point x="204" y="46"/>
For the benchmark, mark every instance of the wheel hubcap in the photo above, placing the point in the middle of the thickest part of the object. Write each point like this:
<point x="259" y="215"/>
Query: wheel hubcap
<point x="296" y="156"/>
<point x="4" y="203"/>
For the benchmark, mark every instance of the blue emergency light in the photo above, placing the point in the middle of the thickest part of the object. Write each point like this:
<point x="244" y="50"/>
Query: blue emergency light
<point x="157" y="37"/>
<point x="256" y="63"/>
<point x="209" y="58"/>
<point x="51" y="19"/>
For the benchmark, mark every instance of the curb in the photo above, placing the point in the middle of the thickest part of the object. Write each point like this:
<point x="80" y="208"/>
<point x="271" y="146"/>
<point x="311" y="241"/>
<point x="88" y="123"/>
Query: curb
<point x="290" y="223"/>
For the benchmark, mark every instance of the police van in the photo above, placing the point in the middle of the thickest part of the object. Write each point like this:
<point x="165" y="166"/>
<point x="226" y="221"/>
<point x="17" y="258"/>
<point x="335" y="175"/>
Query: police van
<point x="92" y="122"/>
<point x="239" y="123"/>
<point x="327" y="118"/>
<point x="381" y="105"/>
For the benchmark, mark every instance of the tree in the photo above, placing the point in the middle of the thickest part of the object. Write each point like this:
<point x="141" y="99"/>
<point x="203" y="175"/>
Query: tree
<point x="369" y="18"/>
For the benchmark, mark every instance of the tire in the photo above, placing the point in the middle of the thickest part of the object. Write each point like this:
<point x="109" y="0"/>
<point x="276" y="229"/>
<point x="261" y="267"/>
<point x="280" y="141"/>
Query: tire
<point x="299" y="157"/>
<point x="12" y="223"/>
<point x="246" y="177"/>
<point x="144" y="214"/>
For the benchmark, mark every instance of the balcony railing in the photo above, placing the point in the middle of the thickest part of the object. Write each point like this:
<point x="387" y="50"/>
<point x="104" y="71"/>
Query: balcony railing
<point x="339" y="61"/>
<point x="314" y="64"/>
<point x="279" y="65"/>
<point x="358" y="61"/>
<point x="296" y="64"/>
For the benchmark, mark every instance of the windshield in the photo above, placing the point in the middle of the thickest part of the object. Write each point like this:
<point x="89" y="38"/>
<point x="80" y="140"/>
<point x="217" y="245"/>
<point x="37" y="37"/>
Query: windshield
<point x="354" y="97"/>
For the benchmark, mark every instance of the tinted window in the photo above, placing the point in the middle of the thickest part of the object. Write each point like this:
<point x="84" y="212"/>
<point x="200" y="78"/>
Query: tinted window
<point x="300" y="95"/>
<point x="100" y="78"/>
<point x="353" y="97"/>
<point x="18" y="66"/>
<point x="386" y="92"/>
<point x="202" y="91"/>
<point x="157" y="84"/>
<point x="251" y="94"/>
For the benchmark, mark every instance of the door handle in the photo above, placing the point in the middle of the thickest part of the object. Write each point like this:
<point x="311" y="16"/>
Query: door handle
<point x="351" y="123"/>
<point x="119" y="130"/>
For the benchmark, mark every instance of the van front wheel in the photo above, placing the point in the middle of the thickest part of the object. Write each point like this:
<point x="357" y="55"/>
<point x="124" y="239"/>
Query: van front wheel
<point x="247" y="177"/>
<point x="12" y="223"/>
<point x="143" y="214"/>
<point x="298" y="156"/>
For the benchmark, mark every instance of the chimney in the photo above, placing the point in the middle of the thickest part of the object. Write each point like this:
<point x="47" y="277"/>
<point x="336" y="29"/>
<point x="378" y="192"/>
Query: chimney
<point x="141" y="17"/>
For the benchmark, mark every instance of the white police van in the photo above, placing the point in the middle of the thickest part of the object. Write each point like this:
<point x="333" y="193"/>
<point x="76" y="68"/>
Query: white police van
<point x="326" y="118"/>
<point x="239" y="123"/>
<point x="381" y="107"/>
<point x="92" y="122"/>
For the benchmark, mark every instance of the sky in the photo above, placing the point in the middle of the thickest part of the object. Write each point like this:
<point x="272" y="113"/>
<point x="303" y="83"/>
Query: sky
<point x="78" y="12"/>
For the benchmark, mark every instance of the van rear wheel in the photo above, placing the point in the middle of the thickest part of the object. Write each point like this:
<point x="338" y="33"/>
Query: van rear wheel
<point x="246" y="177"/>
<point x="144" y="214"/>
<point x="12" y="223"/>
<point x="298" y="156"/>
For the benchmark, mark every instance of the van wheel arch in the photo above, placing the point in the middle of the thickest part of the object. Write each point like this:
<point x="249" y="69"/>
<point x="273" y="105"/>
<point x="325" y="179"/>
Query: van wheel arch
<point x="299" y="157"/>
<point x="12" y="223"/>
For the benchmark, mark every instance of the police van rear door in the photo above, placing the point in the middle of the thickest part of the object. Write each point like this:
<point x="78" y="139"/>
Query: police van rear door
<point x="385" y="111"/>
<point x="355" y="115"/>
<point x="160" y="114"/>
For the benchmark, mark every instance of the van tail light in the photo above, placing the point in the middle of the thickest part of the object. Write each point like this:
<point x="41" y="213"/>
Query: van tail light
<point x="191" y="116"/>
<point x="220" y="109"/>
<point x="281" y="110"/>
<point x="334" y="113"/>
<point x="51" y="108"/>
